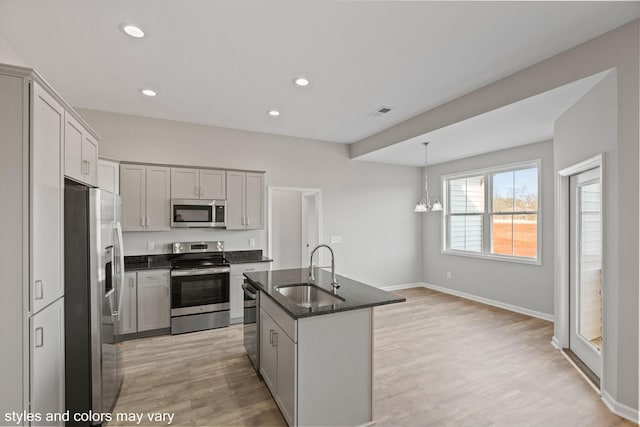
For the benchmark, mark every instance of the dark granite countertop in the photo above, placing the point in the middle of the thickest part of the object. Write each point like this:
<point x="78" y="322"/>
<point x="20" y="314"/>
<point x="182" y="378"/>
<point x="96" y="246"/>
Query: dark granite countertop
<point x="245" y="257"/>
<point x="356" y="295"/>
<point x="163" y="261"/>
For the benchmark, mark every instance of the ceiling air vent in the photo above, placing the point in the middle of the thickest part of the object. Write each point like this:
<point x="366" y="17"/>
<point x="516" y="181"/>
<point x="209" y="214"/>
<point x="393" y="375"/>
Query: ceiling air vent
<point x="381" y="111"/>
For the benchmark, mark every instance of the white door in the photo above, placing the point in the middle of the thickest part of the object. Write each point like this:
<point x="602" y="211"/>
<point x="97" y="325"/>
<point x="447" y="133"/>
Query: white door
<point x="213" y="184"/>
<point x="158" y="198"/>
<point x="236" y="200"/>
<point x="254" y="204"/>
<point x="47" y="197"/>
<point x="310" y="222"/>
<point x="47" y="361"/>
<point x="133" y="183"/>
<point x="585" y="263"/>
<point x="185" y="183"/>
<point x="129" y="309"/>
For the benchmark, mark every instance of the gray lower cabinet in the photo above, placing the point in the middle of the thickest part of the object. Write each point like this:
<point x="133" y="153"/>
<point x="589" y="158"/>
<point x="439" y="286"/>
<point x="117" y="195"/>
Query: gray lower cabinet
<point x="277" y="364"/>
<point x="236" y="294"/>
<point x="318" y="368"/>
<point x="146" y="301"/>
<point x="129" y="308"/>
<point x="154" y="300"/>
<point x="47" y="361"/>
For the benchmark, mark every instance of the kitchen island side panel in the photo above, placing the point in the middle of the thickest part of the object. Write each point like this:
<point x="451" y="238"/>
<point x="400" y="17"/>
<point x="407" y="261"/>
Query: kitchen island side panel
<point x="335" y="369"/>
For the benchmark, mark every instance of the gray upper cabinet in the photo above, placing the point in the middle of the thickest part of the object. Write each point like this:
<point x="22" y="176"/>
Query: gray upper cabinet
<point x="189" y="183"/>
<point x="146" y="200"/>
<point x="245" y="201"/>
<point x="47" y="197"/>
<point x="80" y="152"/>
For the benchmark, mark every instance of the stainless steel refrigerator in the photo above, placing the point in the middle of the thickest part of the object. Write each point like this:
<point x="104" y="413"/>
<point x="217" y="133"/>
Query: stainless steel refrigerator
<point x="94" y="274"/>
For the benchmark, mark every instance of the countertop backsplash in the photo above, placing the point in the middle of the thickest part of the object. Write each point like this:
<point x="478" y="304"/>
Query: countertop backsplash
<point x="136" y="242"/>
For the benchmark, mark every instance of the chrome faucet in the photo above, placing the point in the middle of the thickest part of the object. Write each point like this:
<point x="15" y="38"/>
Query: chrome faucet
<point x="334" y="283"/>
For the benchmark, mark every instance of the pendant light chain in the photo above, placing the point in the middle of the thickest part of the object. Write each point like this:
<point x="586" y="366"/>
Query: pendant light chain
<point x="426" y="174"/>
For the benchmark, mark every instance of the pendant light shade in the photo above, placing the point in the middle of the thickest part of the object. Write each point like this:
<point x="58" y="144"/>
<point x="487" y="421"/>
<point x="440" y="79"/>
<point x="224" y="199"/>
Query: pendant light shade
<point x="424" y="204"/>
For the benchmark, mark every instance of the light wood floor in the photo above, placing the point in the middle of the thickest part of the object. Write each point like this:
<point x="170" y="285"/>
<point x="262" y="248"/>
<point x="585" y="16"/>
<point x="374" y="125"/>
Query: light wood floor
<point x="439" y="361"/>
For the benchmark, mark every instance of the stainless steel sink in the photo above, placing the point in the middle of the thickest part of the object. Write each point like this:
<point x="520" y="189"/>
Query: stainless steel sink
<point x="308" y="295"/>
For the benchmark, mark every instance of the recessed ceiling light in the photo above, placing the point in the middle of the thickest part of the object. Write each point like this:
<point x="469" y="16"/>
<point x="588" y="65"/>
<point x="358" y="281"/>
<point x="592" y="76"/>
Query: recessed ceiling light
<point x="273" y="113"/>
<point x="301" y="81"/>
<point x="148" y="92"/>
<point x="132" y="30"/>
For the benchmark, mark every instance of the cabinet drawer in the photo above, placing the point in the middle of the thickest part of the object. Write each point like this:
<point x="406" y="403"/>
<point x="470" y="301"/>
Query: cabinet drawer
<point x="147" y="276"/>
<point x="286" y="322"/>
<point x="239" y="269"/>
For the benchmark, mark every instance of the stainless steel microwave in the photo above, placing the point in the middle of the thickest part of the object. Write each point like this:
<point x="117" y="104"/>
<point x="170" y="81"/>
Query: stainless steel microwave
<point x="194" y="213"/>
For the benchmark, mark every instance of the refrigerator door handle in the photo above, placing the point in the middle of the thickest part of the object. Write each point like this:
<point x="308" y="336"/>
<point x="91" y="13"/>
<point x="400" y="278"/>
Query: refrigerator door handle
<point x="118" y="229"/>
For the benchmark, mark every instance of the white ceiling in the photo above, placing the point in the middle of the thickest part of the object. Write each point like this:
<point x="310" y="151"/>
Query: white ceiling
<point x="226" y="63"/>
<point x="524" y="122"/>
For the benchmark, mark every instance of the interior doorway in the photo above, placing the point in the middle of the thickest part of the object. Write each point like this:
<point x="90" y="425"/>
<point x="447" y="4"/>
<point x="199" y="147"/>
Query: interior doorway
<point x="585" y="268"/>
<point x="294" y="225"/>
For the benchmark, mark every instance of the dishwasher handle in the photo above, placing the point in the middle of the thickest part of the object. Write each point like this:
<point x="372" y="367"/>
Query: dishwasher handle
<point x="248" y="293"/>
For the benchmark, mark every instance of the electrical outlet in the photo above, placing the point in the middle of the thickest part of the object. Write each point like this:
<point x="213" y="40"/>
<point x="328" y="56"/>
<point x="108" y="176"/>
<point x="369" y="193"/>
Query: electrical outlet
<point x="448" y="275"/>
<point x="252" y="243"/>
<point x="151" y="246"/>
<point x="336" y="239"/>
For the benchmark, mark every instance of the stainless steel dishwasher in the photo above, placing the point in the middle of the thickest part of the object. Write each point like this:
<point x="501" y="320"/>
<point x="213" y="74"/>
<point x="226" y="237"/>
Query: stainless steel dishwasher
<point x="252" y="324"/>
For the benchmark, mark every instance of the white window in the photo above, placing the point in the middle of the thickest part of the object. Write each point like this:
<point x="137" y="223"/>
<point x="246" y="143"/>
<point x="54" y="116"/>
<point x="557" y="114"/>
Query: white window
<point x="494" y="213"/>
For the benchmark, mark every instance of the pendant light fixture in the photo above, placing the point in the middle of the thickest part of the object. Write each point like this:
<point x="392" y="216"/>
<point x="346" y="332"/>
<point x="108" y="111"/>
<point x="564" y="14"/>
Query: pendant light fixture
<point x="424" y="204"/>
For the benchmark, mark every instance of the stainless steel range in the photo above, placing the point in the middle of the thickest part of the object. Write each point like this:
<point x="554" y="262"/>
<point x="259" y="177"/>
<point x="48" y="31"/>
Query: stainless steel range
<point x="199" y="287"/>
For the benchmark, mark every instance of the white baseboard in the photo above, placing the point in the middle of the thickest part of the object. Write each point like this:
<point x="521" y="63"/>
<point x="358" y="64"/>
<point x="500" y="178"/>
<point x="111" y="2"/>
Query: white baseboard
<point x="402" y="286"/>
<point x="619" y="409"/>
<point x="556" y="343"/>
<point x="510" y="307"/>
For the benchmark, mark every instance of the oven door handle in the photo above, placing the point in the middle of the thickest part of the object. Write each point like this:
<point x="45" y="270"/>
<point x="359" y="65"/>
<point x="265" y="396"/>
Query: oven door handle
<point x="248" y="293"/>
<point x="199" y="271"/>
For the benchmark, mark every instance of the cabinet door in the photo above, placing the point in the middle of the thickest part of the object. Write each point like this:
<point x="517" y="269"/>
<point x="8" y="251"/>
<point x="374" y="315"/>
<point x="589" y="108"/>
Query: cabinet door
<point x="73" y="138"/>
<point x="236" y="299"/>
<point x="47" y="196"/>
<point x="47" y="361"/>
<point x="109" y="176"/>
<point x="236" y="200"/>
<point x="255" y="201"/>
<point x="133" y="191"/>
<point x="213" y="184"/>
<point x="268" y="351"/>
<point x="90" y="160"/>
<point x="286" y="376"/>
<point x="153" y="301"/>
<point x="158" y="203"/>
<point x="129" y="309"/>
<point x="185" y="183"/>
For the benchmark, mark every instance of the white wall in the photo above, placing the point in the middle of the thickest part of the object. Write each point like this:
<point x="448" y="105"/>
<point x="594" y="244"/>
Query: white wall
<point x="588" y="128"/>
<point x="522" y="285"/>
<point x="368" y="204"/>
<point x="286" y="222"/>
<point x="619" y="49"/>
<point x="9" y="56"/>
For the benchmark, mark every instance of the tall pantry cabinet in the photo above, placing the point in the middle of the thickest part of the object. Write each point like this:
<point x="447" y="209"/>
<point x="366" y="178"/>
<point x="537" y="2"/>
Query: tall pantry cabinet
<point x="32" y="166"/>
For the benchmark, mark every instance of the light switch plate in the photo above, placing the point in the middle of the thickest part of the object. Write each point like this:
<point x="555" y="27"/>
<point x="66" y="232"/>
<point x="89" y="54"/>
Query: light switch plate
<point x="252" y="243"/>
<point x="151" y="246"/>
<point x="336" y="239"/>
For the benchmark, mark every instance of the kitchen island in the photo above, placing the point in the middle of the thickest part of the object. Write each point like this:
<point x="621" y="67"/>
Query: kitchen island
<point x="316" y="353"/>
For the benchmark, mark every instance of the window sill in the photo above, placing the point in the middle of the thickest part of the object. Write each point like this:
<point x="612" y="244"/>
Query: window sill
<point x="517" y="260"/>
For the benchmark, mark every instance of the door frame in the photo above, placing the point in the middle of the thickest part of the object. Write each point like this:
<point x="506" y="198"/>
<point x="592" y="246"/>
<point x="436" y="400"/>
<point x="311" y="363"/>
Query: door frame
<point x="562" y="269"/>
<point x="302" y="191"/>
